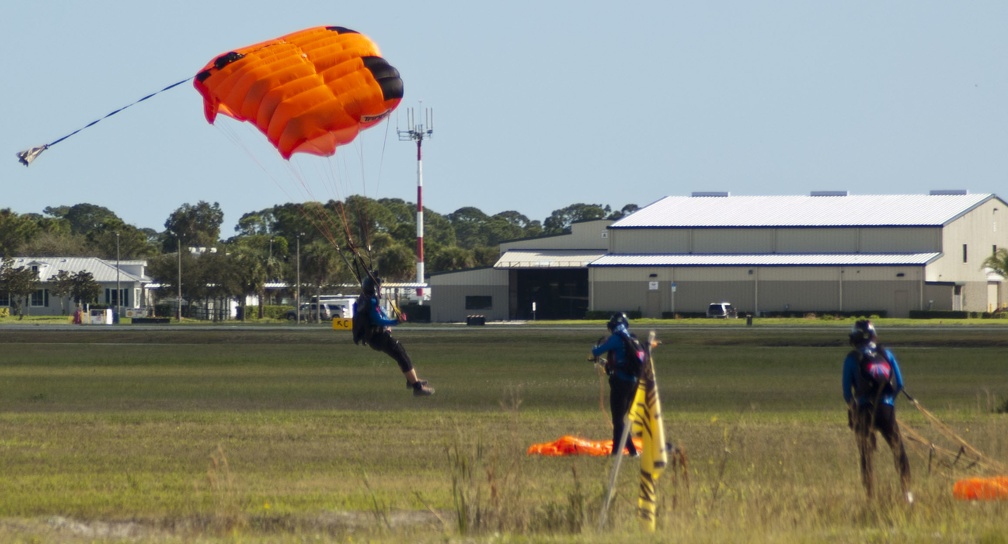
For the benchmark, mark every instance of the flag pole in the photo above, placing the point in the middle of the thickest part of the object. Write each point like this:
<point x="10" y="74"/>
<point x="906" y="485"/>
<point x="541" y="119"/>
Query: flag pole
<point x="615" y="471"/>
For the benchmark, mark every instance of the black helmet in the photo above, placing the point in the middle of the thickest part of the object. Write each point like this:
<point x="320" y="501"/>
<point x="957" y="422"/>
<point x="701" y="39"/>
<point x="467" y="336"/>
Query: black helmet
<point x="617" y="319"/>
<point x="862" y="333"/>
<point x="371" y="285"/>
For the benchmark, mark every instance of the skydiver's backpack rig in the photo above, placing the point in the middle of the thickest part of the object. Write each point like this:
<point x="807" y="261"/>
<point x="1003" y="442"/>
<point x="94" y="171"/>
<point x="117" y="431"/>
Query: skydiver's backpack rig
<point x="362" y="320"/>
<point x="877" y="376"/>
<point x="634" y="356"/>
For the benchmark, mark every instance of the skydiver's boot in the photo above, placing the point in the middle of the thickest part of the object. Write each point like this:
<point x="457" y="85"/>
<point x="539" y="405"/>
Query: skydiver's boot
<point x="420" y="388"/>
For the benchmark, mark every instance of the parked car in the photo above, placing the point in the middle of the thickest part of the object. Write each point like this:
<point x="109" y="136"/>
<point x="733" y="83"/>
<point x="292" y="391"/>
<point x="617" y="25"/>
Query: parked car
<point x="325" y="312"/>
<point x="723" y="310"/>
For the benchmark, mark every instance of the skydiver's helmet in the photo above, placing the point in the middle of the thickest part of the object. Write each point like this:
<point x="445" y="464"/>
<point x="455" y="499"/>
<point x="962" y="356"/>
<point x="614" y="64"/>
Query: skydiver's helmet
<point x="863" y="333"/>
<point x="618" y="319"/>
<point x="371" y="286"/>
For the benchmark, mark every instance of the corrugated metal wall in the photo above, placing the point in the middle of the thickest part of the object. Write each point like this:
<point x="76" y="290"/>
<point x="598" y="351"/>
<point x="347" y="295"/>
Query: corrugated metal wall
<point x="757" y="290"/>
<point x="778" y="240"/>
<point x="450" y="291"/>
<point x="584" y="235"/>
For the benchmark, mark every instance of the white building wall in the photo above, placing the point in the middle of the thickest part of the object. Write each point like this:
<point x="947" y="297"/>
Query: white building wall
<point x="966" y="242"/>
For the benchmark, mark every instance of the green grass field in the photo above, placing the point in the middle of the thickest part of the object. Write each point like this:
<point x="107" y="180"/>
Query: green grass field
<point x="287" y="434"/>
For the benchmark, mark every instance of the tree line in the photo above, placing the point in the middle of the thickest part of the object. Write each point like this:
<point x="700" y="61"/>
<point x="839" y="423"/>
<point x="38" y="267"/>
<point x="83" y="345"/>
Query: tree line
<point x="266" y="243"/>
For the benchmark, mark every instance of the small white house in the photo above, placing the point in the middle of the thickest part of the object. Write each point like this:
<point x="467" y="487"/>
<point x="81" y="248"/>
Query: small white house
<point x="122" y="286"/>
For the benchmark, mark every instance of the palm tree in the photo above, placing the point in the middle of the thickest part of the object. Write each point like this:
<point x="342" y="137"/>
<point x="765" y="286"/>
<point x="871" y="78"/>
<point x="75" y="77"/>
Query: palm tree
<point x="998" y="262"/>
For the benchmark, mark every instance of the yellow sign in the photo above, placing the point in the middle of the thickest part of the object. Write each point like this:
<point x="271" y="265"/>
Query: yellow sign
<point x="342" y="324"/>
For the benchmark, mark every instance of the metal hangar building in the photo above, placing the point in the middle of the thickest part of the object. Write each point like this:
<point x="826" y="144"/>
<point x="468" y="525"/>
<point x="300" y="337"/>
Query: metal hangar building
<point x="825" y="252"/>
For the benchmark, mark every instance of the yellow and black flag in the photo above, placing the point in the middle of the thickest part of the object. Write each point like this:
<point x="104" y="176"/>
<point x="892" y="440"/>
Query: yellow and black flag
<point x="647" y="424"/>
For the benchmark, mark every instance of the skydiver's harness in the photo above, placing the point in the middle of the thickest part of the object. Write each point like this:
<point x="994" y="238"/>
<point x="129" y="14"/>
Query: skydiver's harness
<point x="633" y="360"/>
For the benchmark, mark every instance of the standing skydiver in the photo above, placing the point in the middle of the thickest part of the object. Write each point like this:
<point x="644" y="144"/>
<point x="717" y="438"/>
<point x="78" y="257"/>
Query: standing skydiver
<point x="871" y="381"/>
<point x="623" y="369"/>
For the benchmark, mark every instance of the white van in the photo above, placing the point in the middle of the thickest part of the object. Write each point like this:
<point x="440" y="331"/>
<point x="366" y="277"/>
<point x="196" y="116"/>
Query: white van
<point x="324" y="312"/>
<point x="723" y="310"/>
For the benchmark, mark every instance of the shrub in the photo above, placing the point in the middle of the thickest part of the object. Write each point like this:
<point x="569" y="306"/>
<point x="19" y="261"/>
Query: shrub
<point x="1002" y="408"/>
<point x="937" y="314"/>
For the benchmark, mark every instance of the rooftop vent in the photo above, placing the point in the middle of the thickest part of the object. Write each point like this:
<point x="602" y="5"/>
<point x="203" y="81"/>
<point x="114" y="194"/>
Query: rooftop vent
<point x="946" y="192"/>
<point x="828" y="193"/>
<point x="710" y="193"/>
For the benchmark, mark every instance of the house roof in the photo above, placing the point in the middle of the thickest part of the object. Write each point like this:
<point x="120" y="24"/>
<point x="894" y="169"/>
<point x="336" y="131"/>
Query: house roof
<point x="102" y="271"/>
<point x="803" y="211"/>
<point x="547" y="258"/>
<point x="770" y="259"/>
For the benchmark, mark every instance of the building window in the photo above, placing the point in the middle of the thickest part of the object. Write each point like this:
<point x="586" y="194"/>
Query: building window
<point x="478" y="302"/>
<point x="112" y="300"/>
<point x="964" y="253"/>
<point x="4" y="299"/>
<point x="40" y="298"/>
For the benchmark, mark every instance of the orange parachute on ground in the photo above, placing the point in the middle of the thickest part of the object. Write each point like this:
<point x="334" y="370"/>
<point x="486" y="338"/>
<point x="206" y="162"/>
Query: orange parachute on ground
<point x="984" y="489"/>
<point x="309" y="92"/>
<point x="573" y="445"/>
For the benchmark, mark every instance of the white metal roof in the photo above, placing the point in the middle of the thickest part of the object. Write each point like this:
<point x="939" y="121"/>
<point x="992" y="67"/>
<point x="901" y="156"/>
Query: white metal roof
<point x="547" y="258"/>
<point x="802" y="211"/>
<point x="769" y="259"/>
<point x="103" y="271"/>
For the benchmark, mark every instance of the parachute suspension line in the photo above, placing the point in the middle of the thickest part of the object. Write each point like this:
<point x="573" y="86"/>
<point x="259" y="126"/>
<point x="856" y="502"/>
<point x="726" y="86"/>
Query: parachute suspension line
<point x="27" y="156"/>
<point x="312" y="208"/>
<point x="324" y="223"/>
<point x="381" y="160"/>
<point x="362" y="268"/>
<point x="964" y="446"/>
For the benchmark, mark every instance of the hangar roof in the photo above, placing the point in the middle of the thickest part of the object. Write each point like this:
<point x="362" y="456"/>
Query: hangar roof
<point x="771" y="259"/>
<point x="830" y="210"/>
<point x="547" y="258"/>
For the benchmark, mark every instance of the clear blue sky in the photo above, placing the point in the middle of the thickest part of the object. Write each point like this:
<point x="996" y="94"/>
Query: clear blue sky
<point x="537" y="105"/>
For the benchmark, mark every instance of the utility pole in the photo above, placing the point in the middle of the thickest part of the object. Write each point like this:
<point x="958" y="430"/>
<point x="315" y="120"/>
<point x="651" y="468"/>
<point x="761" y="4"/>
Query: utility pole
<point x="417" y="132"/>
<point x="297" y="304"/>
<point x="178" y="306"/>
<point x="118" y="288"/>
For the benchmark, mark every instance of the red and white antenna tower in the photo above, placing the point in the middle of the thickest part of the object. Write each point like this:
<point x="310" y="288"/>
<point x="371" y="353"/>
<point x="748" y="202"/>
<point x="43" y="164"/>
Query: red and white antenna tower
<point x="417" y="132"/>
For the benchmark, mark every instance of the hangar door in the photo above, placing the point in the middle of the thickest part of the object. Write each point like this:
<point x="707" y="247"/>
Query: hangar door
<point x="558" y="293"/>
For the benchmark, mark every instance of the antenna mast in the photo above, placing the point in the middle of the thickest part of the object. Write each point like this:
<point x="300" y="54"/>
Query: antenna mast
<point x="417" y="132"/>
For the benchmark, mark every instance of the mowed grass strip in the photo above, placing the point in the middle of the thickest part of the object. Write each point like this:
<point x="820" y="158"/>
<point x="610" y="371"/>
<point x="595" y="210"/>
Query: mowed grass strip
<point x="278" y="432"/>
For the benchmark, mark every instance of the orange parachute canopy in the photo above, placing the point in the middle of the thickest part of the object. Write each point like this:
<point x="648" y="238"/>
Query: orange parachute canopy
<point x="573" y="445"/>
<point x="985" y="489"/>
<point x="308" y="92"/>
